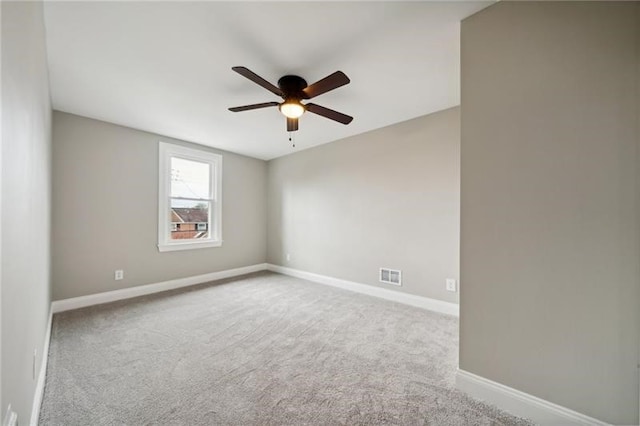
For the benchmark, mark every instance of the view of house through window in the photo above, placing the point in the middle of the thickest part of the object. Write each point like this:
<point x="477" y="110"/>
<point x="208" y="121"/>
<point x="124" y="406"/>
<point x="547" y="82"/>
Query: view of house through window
<point x="189" y="202"/>
<point x="190" y="199"/>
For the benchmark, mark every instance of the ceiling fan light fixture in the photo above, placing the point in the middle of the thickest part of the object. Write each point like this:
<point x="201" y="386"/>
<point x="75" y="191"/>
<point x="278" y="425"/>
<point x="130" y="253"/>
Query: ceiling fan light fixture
<point x="292" y="109"/>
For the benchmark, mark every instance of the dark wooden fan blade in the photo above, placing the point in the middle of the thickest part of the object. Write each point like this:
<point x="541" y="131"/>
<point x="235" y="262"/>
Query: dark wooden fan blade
<point x="292" y="124"/>
<point x="246" y="72"/>
<point x="254" y="106"/>
<point x="330" y="82"/>
<point x="329" y="113"/>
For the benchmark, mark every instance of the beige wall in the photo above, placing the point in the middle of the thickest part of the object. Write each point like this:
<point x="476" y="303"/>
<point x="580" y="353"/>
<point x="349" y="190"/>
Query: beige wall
<point x="386" y="198"/>
<point x="550" y="216"/>
<point x="26" y="206"/>
<point x="105" y="211"/>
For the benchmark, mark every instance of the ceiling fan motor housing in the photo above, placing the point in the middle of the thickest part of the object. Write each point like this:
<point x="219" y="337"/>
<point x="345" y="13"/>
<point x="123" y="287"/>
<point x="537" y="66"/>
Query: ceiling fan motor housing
<point x="293" y="87"/>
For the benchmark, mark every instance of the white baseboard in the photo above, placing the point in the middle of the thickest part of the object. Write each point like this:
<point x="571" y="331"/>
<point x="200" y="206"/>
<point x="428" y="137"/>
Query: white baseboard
<point x="383" y="293"/>
<point x="128" y="293"/>
<point x="42" y="375"/>
<point x="519" y="403"/>
<point x="143" y="290"/>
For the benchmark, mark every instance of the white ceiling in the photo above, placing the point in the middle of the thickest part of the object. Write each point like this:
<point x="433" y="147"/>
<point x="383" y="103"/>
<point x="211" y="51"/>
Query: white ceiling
<point x="165" y="67"/>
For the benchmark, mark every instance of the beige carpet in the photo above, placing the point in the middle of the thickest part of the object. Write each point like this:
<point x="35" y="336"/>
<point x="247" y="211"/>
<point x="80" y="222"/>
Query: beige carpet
<point x="261" y="349"/>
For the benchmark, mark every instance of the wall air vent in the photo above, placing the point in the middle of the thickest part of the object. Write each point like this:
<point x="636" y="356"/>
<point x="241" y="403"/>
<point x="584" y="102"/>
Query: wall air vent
<point x="390" y="276"/>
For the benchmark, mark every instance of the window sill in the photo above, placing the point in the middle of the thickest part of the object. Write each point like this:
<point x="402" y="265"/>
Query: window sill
<point x="188" y="246"/>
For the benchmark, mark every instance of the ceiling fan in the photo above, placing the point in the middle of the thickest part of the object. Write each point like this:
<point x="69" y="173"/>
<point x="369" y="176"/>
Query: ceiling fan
<point x="293" y="89"/>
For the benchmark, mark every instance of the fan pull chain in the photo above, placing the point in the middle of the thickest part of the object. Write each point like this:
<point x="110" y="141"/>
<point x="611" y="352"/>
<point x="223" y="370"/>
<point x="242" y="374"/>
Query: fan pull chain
<point x="292" y="139"/>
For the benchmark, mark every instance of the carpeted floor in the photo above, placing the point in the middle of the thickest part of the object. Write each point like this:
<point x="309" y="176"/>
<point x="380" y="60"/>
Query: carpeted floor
<point x="261" y="349"/>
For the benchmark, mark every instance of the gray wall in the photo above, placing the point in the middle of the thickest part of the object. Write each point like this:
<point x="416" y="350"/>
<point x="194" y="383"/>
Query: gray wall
<point x="26" y="206"/>
<point x="549" y="199"/>
<point x="105" y="211"/>
<point x="386" y="198"/>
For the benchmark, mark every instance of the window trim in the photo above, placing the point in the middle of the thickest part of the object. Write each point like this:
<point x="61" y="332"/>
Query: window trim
<point x="165" y="152"/>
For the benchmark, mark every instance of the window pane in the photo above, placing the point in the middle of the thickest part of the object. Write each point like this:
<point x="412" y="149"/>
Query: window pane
<point x="189" y="179"/>
<point x="189" y="219"/>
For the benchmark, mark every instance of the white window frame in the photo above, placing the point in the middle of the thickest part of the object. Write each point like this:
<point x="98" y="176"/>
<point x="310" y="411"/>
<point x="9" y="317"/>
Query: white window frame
<point x="166" y="151"/>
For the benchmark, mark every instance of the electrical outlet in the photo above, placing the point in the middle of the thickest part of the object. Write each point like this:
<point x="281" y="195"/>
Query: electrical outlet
<point x="451" y="284"/>
<point x="119" y="274"/>
<point x="288" y="257"/>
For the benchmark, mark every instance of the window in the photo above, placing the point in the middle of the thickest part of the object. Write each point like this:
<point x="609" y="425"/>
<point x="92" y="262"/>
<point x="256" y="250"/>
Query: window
<point x="190" y="198"/>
